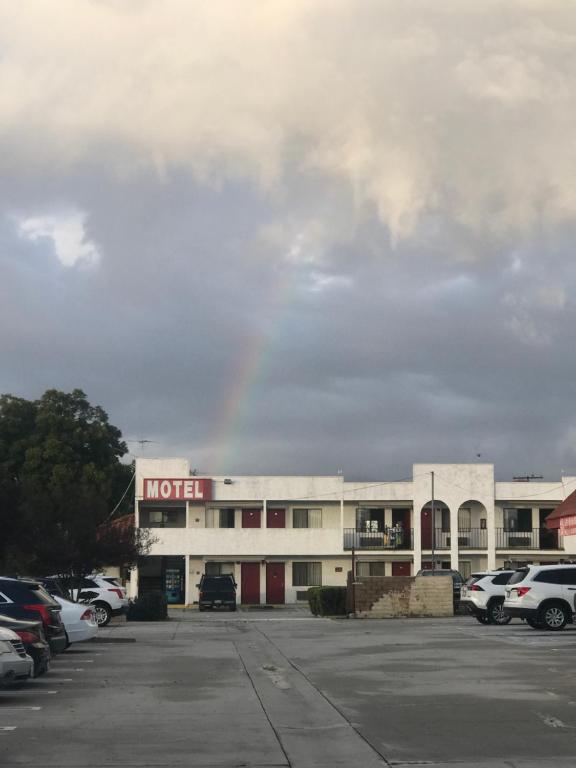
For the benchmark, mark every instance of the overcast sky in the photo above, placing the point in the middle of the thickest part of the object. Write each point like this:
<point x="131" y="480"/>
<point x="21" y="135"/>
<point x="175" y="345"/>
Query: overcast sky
<point x="298" y="236"/>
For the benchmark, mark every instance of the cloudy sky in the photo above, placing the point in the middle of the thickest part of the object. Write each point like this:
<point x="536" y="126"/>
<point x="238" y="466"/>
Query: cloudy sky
<point x="297" y="236"/>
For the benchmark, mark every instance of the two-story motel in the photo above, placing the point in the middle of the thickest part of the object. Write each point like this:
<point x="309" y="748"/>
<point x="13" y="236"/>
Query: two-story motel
<point x="280" y="535"/>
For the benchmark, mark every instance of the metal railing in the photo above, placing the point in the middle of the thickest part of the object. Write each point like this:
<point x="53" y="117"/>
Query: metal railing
<point x="386" y="539"/>
<point x="535" y="538"/>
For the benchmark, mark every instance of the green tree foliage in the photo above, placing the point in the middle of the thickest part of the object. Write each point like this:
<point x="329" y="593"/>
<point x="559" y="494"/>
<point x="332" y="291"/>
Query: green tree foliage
<point x="60" y="479"/>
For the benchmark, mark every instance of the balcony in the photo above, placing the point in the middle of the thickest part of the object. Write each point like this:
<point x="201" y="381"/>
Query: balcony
<point x="535" y="538"/>
<point x="388" y="539"/>
<point x="473" y="538"/>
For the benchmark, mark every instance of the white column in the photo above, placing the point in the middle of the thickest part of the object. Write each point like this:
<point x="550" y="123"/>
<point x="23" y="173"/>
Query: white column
<point x="454" y="553"/>
<point x="133" y="585"/>
<point x="187" y="514"/>
<point x="187" y="597"/>
<point x="417" y="525"/>
<point x="491" y="534"/>
<point x="265" y="513"/>
<point x="262" y="583"/>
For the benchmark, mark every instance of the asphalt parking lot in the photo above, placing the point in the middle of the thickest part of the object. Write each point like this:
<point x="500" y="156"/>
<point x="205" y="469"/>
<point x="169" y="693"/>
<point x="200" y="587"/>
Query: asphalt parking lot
<point x="280" y="688"/>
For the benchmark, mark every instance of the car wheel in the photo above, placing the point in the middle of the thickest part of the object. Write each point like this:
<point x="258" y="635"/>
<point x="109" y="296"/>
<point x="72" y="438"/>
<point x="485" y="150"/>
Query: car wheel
<point x="534" y="623"/>
<point x="497" y="614"/>
<point x="103" y="613"/>
<point x="481" y="617"/>
<point x="553" y="616"/>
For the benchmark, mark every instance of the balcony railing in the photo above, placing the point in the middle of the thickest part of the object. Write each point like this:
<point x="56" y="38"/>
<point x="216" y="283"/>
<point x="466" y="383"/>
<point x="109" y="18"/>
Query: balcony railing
<point x="473" y="538"/>
<point x="536" y="538"/>
<point x="387" y="539"/>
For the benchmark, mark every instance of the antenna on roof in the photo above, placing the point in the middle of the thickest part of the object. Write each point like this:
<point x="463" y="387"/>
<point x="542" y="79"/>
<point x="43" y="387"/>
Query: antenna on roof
<point x="526" y="478"/>
<point x="142" y="443"/>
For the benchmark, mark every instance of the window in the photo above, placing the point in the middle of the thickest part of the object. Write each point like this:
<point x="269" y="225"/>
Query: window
<point x="307" y="518"/>
<point x="370" y="519"/>
<point x="502" y="578"/>
<point x="553" y="576"/>
<point x="4" y="599"/>
<point x="568" y="576"/>
<point x="306" y="574"/>
<point x="518" y="520"/>
<point x="166" y="517"/>
<point x="370" y="568"/>
<point x="445" y="520"/>
<point x="219" y="569"/>
<point x="220" y="518"/>
<point x="464" y="519"/>
<point x="465" y="568"/>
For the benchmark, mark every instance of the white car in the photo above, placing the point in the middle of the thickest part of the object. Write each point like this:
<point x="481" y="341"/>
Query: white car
<point x="483" y="595"/>
<point x="15" y="664"/>
<point x="79" y="620"/>
<point x="543" y="595"/>
<point x="104" y="593"/>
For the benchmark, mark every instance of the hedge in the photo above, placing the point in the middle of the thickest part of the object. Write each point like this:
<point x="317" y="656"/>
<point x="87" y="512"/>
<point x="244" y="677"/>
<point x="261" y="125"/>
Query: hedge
<point x="151" y="606"/>
<point x="327" y="601"/>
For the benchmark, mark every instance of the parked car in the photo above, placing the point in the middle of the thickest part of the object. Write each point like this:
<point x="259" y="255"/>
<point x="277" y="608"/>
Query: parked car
<point x="104" y="593"/>
<point x="79" y="620"/>
<point x="31" y="633"/>
<point x="217" y="592"/>
<point x="543" y="595"/>
<point x="15" y="664"/>
<point x="27" y="599"/>
<point x="483" y="595"/>
<point x="457" y="579"/>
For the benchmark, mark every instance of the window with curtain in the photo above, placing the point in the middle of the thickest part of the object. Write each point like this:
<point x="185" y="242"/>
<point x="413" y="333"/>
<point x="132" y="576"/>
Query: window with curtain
<point x="370" y="519"/>
<point x="307" y="518"/>
<point x="367" y="568"/>
<point x="307" y="574"/>
<point x="517" y="520"/>
<point x="220" y="518"/>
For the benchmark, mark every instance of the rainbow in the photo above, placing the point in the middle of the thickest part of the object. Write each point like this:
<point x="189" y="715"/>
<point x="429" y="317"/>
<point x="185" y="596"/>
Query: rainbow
<point x="248" y="370"/>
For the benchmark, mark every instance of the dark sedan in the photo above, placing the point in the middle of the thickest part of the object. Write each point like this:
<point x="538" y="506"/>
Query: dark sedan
<point x="28" y="600"/>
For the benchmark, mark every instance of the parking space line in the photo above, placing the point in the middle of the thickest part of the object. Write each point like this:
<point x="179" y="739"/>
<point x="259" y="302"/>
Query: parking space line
<point x="27" y="693"/>
<point x="51" y="680"/>
<point x="19" y="709"/>
<point x="8" y="727"/>
<point x="70" y="669"/>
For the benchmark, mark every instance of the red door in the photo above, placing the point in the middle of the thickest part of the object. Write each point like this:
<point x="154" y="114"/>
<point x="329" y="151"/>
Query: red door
<point x="275" y="518"/>
<point x="251" y="518"/>
<point x="401" y="568"/>
<point x="250" y="583"/>
<point x="426" y="528"/>
<point x="275" y="583"/>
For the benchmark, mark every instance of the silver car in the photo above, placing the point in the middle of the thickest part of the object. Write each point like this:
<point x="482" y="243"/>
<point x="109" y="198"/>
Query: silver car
<point x="15" y="664"/>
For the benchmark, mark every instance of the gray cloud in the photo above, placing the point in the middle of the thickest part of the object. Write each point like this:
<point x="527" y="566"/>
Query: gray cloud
<point x="319" y="236"/>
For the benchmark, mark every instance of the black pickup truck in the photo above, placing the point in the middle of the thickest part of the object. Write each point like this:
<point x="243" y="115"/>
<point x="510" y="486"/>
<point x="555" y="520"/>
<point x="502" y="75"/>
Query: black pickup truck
<point x="217" y="592"/>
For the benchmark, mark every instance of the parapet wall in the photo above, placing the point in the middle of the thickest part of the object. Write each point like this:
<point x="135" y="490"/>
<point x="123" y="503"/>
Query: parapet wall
<point x="401" y="596"/>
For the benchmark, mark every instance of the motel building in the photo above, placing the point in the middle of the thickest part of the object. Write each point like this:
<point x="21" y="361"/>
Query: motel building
<point x="280" y="535"/>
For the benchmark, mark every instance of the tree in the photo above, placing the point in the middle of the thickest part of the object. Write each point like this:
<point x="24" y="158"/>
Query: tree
<point x="60" y="480"/>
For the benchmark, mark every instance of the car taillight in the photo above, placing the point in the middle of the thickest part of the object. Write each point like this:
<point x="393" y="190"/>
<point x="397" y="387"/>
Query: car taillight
<point x="88" y="615"/>
<point x="118" y="592"/>
<point x="476" y="588"/>
<point x="42" y="610"/>
<point x="521" y="591"/>
<point x="27" y="637"/>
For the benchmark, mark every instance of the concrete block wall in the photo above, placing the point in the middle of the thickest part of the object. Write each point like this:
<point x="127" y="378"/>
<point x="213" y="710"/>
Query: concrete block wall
<point x="403" y="596"/>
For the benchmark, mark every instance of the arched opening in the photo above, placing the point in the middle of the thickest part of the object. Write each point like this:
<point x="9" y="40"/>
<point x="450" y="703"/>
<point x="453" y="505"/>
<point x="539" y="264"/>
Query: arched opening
<point x="472" y="525"/>
<point x="435" y="525"/>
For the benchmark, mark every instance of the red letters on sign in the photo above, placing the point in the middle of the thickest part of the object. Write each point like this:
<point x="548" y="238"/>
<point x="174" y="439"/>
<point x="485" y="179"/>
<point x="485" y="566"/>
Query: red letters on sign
<point x="173" y="489"/>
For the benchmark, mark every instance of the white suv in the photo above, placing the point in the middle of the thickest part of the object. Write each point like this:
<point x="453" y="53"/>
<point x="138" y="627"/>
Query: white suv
<point x="104" y="593"/>
<point x="543" y="595"/>
<point x="483" y="595"/>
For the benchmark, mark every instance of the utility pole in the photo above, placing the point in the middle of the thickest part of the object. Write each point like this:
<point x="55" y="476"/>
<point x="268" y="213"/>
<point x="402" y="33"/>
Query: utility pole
<point x="433" y="525"/>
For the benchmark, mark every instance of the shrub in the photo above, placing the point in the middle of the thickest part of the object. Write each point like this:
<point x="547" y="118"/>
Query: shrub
<point x="313" y="600"/>
<point x="327" y="601"/>
<point x="151" y="606"/>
